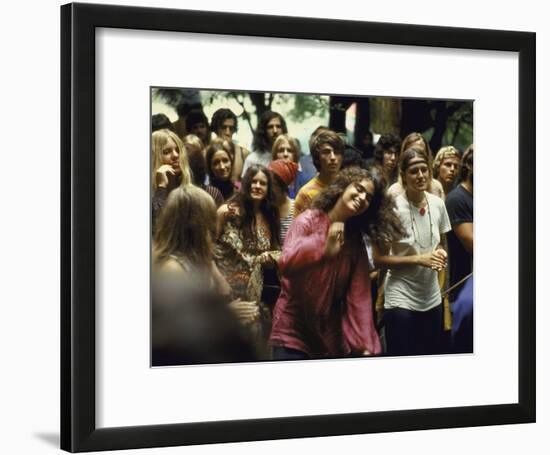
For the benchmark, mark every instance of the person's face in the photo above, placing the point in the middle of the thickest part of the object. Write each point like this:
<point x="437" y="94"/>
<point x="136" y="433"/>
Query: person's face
<point x="357" y="196"/>
<point x="170" y="154"/>
<point x="389" y="160"/>
<point x="258" y="187"/>
<point x="221" y="165"/>
<point x="284" y="152"/>
<point x="329" y="159"/>
<point x="226" y="129"/>
<point x="448" y="169"/>
<point x="201" y="130"/>
<point x="273" y="129"/>
<point x="417" y="175"/>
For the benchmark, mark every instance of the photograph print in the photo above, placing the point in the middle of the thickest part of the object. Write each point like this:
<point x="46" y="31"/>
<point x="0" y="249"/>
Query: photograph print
<point x="291" y="226"/>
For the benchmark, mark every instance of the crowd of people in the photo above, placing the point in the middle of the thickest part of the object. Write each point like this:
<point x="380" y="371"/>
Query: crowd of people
<point x="295" y="256"/>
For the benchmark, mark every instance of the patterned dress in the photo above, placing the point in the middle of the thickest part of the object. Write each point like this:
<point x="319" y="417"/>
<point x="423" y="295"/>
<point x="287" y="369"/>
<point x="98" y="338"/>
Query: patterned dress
<point x="238" y="260"/>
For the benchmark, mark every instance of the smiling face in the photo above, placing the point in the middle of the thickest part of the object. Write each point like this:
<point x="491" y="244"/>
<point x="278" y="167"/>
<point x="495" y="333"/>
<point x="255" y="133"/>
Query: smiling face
<point x="417" y="175"/>
<point x="226" y="129"/>
<point x="170" y="154"/>
<point x="330" y="161"/>
<point x="448" y="169"/>
<point x="259" y="187"/>
<point x="356" y="197"/>
<point x="220" y="165"/>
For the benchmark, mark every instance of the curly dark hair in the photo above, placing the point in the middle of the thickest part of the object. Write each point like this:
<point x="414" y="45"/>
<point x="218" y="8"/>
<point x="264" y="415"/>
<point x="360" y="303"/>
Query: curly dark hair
<point x="388" y="141"/>
<point x="220" y="116"/>
<point x="380" y="220"/>
<point x="260" y="136"/>
<point x="268" y="207"/>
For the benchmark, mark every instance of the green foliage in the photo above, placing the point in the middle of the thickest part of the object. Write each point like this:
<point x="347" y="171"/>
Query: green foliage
<point x="307" y="105"/>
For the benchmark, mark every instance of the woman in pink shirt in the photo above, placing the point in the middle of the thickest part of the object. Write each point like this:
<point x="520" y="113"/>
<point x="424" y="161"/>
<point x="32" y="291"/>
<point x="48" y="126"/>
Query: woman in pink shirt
<point x="325" y="306"/>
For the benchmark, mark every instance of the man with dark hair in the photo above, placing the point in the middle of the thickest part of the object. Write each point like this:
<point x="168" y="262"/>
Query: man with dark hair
<point x="197" y="124"/>
<point x="327" y="151"/>
<point x="270" y="125"/>
<point x="386" y="155"/>
<point x="460" y="207"/>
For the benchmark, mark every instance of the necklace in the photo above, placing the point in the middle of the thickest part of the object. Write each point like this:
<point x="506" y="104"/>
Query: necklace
<point x="414" y="225"/>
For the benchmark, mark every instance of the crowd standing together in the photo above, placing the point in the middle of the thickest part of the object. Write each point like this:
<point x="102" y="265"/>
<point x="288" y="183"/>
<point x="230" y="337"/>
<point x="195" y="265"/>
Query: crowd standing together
<point x="361" y="257"/>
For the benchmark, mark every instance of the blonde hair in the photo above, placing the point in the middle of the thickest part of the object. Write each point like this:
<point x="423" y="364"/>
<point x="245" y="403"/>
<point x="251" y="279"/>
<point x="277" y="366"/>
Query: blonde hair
<point x="186" y="227"/>
<point x="193" y="141"/>
<point x="158" y="140"/>
<point x="294" y="146"/>
<point x="447" y="151"/>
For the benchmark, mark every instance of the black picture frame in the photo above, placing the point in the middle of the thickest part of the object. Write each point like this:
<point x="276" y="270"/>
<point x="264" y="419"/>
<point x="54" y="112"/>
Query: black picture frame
<point x="78" y="325"/>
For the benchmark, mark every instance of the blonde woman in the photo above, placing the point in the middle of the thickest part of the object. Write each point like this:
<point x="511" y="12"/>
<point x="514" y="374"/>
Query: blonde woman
<point x="169" y="166"/>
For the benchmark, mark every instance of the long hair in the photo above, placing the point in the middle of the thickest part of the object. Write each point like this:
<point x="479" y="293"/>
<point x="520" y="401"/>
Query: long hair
<point x="417" y="140"/>
<point x="379" y="221"/>
<point x="260" y="141"/>
<point x="194" y="147"/>
<point x="215" y="146"/>
<point x="186" y="227"/>
<point x="388" y="142"/>
<point x="159" y="139"/>
<point x="293" y="143"/>
<point x="268" y="207"/>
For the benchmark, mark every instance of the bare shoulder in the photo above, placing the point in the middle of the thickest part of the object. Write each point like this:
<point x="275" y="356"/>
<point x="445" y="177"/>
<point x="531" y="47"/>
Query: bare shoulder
<point x="223" y="209"/>
<point x="171" y="266"/>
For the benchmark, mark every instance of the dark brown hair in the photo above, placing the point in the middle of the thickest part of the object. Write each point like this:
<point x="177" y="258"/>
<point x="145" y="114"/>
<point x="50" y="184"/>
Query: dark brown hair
<point x="268" y="207"/>
<point x="379" y="221"/>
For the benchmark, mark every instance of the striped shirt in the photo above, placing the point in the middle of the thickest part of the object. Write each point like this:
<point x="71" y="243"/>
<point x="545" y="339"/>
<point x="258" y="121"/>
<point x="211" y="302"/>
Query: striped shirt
<point x="286" y="222"/>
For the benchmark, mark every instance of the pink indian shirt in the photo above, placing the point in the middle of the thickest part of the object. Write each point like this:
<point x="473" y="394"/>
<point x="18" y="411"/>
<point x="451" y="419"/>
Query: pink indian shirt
<point x="325" y="305"/>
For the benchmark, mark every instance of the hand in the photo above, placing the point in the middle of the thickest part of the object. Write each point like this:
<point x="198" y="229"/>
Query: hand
<point x="266" y="259"/>
<point x="246" y="312"/>
<point x="232" y="209"/>
<point x="366" y="353"/>
<point x="335" y="239"/>
<point x="436" y="260"/>
<point x="163" y="173"/>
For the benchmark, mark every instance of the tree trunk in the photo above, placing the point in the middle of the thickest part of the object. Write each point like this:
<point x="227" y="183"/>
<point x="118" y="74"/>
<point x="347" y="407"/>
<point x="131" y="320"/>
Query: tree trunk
<point x="337" y="113"/>
<point x="362" y="123"/>
<point x="385" y="115"/>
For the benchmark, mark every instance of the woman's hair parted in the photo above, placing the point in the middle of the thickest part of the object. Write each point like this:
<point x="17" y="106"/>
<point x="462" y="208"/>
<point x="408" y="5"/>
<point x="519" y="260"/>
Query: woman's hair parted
<point x="268" y="207"/>
<point x="215" y="146"/>
<point x="158" y="140"/>
<point x="379" y="221"/>
<point x="186" y="227"/>
<point x="294" y="147"/>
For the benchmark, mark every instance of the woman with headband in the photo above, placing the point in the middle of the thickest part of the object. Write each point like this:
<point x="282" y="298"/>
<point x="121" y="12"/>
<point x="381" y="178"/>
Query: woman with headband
<point x="413" y="317"/>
